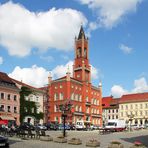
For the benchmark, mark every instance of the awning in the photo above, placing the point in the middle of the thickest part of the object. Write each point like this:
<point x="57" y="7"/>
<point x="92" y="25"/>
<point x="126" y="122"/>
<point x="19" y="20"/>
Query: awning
<point x="7" y="118"/>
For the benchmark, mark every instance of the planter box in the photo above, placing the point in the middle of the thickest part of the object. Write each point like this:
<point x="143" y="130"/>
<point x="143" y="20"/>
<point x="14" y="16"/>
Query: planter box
<point x="138" y="144"/>
<point x="46" y="138"/>
<point x="75" y="141"/>
<point x="115" y="144"/>
<point x="134" y="146"/>
<point x="94" y="143"/>
<point x="60" y="140"/>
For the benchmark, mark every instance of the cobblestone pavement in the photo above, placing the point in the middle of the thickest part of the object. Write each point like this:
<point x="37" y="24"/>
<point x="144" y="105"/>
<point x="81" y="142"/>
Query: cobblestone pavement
<point x="126" y="138"/>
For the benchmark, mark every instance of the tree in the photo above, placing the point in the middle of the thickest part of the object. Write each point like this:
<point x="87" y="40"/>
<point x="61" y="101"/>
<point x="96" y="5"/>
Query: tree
<point x="27" y="107"/>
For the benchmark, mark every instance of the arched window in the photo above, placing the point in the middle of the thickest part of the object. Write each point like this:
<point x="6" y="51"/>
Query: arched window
<point x="61" y="96"/>
<point x="56" y="96"/>
<point x="79" y="51"/>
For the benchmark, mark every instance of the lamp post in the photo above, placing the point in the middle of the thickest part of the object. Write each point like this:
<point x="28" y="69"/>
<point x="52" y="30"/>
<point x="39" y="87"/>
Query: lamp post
<point x="131" y="116"/>
<point x="65" y="108"/>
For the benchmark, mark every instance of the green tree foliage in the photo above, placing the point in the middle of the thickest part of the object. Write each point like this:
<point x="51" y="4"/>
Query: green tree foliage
<point x="28" y="108"/>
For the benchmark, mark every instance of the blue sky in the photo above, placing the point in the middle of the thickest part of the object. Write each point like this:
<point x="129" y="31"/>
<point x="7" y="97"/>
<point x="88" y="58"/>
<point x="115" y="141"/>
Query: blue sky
<point x="37" y="37"/>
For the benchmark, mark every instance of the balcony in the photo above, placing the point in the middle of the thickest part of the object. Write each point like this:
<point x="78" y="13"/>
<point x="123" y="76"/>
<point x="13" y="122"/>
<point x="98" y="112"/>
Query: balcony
<point x="88" y="103"/>
<point x="96" y="115"/>
<point x="78" y="113"/>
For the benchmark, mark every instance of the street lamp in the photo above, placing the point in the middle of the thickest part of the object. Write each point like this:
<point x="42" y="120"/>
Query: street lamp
<point x="65" y="108"/>
<point x="131" y="116"/>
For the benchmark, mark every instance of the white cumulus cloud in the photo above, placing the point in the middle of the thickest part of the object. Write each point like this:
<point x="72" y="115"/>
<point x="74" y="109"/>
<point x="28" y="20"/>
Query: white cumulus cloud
<point x="35" y="76"/>
<point x="21" y="29"/>
<point x="118" y="91"/>
<point x="60" y="70"/>
<point x="125" y="49"/>
<point x="140" y="85"/>
<point x="38" y="76"/>
<point x="1" y="60"/>
<point x="110" y="12"/>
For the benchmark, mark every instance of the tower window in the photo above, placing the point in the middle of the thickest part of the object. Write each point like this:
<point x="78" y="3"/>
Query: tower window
<point x="79" y="52"/>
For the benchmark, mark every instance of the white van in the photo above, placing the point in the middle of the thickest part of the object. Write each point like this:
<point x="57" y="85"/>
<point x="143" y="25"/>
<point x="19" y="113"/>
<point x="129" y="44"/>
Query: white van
<point x="80" y="125"/>
<point x="116" y="124"/>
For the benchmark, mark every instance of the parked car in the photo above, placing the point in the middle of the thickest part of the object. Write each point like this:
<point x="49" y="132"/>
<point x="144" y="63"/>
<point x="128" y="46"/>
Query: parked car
<point x="72" y="127"/>
<point x="51" y="126"/>
<point x="40" y="127"/>
<point x="61" y="127"/>
<point x="136" y="127"/>
<point x="26" y="126"/>
<point x="4" y="142"/>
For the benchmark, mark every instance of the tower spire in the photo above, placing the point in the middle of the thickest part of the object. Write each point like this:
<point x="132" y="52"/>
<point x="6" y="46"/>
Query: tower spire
<point x="81" y="33"/>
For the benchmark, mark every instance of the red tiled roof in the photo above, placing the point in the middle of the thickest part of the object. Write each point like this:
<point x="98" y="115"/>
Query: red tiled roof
<point x="5" y="78"/>
<point x="106" y="101"/>
<point x="115" y="101"/>
<point x="138" y="97"/>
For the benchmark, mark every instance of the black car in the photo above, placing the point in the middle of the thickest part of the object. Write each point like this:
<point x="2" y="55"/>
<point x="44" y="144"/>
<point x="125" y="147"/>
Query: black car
<point x="4" y="142"/>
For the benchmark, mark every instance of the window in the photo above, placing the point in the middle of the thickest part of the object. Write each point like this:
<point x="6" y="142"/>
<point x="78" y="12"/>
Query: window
<point x="136" y="106"/>
<point x="80" y="109"/>
<point x="56" y="108"/>
<point x="135" y="113"/>
<point x="146" y="105"/>
<point x="8" y="96"/>
<point x="140" y="113"/>
<point x="76" y="108"/>
<point x="86" y="98"/>
<point x="8" y="108"/>
<point x="98" y="102"/>
<point x="122" y="107"/>
<point x="56" y="119"/>
<point x="15" y="110"/>
<point x="116" y="110"/>
<point x="121" y="114"/>
<point x="141" y="106"/>
<point x="131" y="106"/>
<point x="15" y="97"/>
<point x="72" y="96"/>
<point x="126" y="106"/>
<point x="2" y="108"/>
<point x="80" y="98"/>
<point x="61" y="96"/>
<point x="112" y="116"/>
<point x="113" y="110"/>
<point x="146" y="112"/>
<point x="56" y="96"/>
<point x="2" y="95"/>
<point x="109" y="111"/>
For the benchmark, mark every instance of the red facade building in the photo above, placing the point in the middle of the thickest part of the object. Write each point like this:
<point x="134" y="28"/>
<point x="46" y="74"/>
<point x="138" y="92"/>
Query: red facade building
<point x="85" y="98"/>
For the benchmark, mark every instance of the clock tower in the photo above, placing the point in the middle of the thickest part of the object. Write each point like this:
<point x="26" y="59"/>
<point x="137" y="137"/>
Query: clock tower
<point x="81" y="67"/>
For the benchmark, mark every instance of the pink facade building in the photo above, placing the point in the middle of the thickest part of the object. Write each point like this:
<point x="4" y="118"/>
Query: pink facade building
<point x="9" y="101"/>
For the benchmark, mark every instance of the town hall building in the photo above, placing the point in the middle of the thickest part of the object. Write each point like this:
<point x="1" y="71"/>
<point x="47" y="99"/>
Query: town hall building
<point x="86" y="99"/>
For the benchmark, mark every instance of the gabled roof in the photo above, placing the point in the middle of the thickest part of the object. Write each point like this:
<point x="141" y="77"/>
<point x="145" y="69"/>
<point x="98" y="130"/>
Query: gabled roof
<point x="138" y="97"/>
<point x="5" y="78"/>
